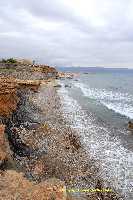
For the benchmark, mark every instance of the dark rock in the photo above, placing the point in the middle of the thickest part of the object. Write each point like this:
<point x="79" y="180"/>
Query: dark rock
<point x="130" y="125"/>
<point x="67" y="86"/>
<point x="57" y="86"/>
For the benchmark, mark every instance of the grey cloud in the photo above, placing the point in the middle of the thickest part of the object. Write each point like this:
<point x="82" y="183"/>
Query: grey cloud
<point x="75" y="39"/>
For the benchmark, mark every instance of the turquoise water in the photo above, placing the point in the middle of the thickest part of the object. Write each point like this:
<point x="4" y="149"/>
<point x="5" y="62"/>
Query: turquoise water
<point x="99" y="106"/>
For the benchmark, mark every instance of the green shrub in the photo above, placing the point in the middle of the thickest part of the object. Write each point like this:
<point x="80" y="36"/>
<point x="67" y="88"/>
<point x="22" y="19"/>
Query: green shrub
<point x="10" y="60"/>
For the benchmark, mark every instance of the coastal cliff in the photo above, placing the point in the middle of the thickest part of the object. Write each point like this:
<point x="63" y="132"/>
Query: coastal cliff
<point x="12" y="183"/>
<point x="27" y="71"/>
<point x="40" y="155"/>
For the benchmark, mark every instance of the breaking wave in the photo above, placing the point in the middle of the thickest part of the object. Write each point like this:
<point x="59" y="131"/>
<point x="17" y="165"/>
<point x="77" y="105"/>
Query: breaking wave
<point x="119" y="102"/>
<point x="114" y="161"/>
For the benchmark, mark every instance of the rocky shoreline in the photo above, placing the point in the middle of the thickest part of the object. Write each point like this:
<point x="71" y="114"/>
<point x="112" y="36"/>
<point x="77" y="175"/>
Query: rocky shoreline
<point x="41" y="157"/>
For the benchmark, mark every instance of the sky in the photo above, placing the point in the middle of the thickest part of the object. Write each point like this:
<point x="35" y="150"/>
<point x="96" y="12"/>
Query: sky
<point x="68" y="32"/>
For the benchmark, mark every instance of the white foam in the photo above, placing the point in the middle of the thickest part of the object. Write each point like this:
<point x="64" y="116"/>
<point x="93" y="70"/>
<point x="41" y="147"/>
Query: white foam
<point x="115" y="162"/>
<point x="125" y="109"/>
<point x="116" y="101"/>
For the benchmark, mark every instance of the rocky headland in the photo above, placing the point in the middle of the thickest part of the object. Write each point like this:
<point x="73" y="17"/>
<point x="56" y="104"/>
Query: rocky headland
<point x="41" y="157"/>
<point x="68" y="75"/>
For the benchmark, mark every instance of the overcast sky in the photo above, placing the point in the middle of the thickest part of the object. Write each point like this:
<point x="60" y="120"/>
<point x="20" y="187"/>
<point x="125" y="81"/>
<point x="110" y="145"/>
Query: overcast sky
<point x="68" y="32"/>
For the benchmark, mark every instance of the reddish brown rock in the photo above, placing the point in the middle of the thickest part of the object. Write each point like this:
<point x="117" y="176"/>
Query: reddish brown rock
<point x="8" y="96"/>
<point x="14" y="186"/>
<point x="44" y="69"/>
<point x="8" y="93"/>
<point x="30" y="84"/>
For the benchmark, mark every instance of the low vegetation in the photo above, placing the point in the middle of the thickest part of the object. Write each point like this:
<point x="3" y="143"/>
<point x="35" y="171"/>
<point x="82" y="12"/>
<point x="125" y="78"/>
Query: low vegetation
<point x="9" y="60"/>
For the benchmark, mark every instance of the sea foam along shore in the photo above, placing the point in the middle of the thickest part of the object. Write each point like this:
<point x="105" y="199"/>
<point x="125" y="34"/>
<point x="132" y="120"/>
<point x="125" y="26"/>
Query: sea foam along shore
<point x="113" y="100"/>
<point x="110" y="157"/>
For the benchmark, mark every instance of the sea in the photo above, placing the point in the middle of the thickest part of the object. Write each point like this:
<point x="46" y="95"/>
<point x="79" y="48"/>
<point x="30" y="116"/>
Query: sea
<point x="98" y="104"/>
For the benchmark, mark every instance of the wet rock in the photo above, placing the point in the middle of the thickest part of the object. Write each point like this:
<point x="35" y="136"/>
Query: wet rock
<point x="67" y="86"/>
<point x="58" y="86"/>
<point x="130" y="125"/>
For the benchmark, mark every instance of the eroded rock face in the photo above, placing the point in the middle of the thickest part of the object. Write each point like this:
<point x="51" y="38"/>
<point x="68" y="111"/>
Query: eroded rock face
<point x="44" y="69"/>
<point x="9" y="100"/>
<point x="27" y="70"/>
<point x="14" y="186"/>
<point x="29" y="84"/>
<point x="8" y="97"/>
<point x="8" y="93"/>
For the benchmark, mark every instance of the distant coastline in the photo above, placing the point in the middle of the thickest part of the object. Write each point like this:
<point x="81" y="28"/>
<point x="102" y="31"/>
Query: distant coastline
<point x="93" y="69"/>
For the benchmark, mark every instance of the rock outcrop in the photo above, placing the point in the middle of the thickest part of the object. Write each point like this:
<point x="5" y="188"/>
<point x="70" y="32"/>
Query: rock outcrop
<point x="130" y="125"/>
<point x="30" y="84"/>
<point x="8" y="93"/>
<point x="13" y="185"/>
<point x="8" y="96"/>
<point x="67" y="75"/>
<point x="27" y="70"/>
